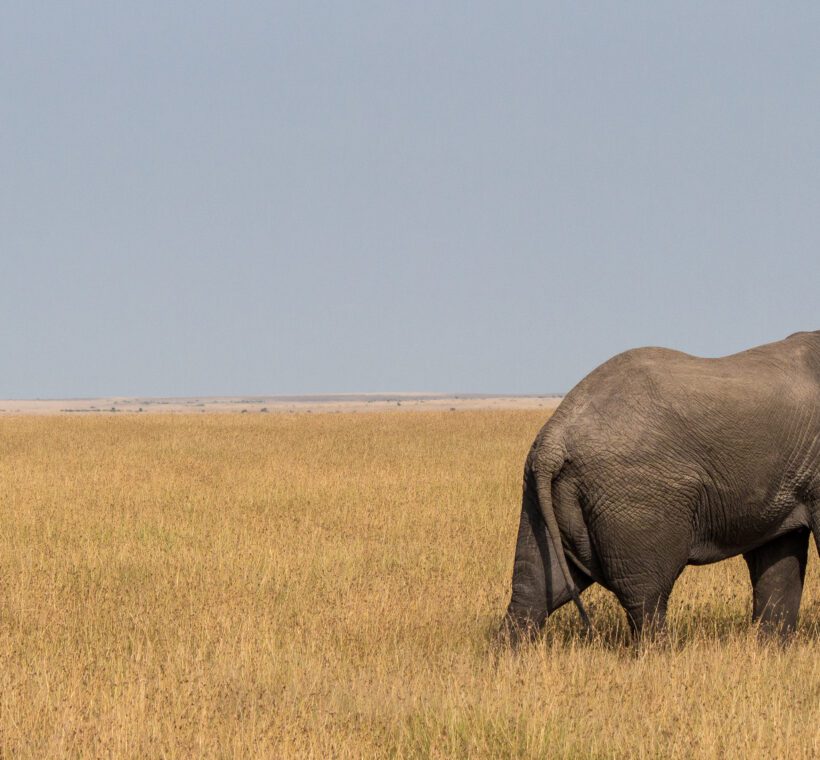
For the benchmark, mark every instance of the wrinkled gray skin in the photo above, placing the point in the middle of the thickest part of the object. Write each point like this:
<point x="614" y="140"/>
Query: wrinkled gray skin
<point x="658" y="460"/>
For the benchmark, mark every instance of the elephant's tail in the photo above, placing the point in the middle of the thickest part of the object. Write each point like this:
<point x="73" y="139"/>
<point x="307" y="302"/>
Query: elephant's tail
<point x="544" y="470"/>
<point x="814" y="518"/>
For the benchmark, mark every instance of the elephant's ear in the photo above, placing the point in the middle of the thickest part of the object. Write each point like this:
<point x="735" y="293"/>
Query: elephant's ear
<point x="538" y="584"/>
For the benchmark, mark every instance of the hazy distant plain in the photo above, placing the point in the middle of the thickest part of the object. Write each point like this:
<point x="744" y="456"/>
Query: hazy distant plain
<point x="339" y="402"/>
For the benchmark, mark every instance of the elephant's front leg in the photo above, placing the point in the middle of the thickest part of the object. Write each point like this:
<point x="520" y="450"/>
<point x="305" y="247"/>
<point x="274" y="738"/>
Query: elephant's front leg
<point x="777" y="570"/>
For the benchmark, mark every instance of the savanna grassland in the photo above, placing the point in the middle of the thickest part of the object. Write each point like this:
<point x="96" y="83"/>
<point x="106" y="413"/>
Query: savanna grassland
<point x="327" y="585"/>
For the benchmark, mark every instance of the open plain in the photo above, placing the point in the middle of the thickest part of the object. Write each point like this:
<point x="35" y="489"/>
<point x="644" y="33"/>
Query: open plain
<point x="328" y="402"/>
<point x="327" y="585"/>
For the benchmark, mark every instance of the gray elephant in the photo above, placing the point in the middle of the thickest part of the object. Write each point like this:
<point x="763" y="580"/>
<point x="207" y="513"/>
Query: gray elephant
<point x="658" y="460"/>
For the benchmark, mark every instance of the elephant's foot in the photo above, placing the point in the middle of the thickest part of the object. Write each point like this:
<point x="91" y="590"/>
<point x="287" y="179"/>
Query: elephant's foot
<point x="647" y="620"/>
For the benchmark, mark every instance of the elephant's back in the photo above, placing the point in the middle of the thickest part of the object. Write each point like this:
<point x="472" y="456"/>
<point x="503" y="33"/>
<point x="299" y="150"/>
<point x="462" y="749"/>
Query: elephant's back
<point x="650" y="404"/>
<point x="722" y="447"/>
<point x="649" y="383"/>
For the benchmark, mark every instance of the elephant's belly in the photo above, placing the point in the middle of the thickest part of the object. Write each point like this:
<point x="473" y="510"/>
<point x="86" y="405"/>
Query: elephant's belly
<point x="714" y="549"/>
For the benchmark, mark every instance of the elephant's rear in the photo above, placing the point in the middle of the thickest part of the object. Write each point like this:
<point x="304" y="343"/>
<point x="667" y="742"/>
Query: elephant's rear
<point x="715" y="451"/>
<point x="658" y="459"/>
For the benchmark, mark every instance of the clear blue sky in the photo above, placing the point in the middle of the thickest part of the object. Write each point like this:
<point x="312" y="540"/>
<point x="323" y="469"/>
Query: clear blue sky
<point x="262" y="198"/>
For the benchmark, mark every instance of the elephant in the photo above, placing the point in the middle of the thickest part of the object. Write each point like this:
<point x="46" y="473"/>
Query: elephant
<point x="659" y="459"/>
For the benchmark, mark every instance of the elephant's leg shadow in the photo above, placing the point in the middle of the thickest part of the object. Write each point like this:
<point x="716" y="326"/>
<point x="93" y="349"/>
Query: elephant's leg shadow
<point x="777" y="570"/>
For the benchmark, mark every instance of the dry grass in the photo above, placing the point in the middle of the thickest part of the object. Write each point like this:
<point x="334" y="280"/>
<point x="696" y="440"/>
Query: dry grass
<point x="326" y="585"/>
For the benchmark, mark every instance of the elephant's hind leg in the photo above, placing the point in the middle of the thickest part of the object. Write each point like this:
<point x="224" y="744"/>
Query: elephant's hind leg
<point x="641" y="573"/>
<point x="777" y="570"/>
<point x="647" y="617"/>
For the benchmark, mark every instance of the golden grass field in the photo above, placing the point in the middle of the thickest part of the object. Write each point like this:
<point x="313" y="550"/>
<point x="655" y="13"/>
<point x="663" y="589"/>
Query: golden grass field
<point x="327" y="585"/>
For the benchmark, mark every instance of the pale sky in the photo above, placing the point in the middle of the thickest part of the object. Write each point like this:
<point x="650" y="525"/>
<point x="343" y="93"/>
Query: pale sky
<point x="213" y="198"/>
